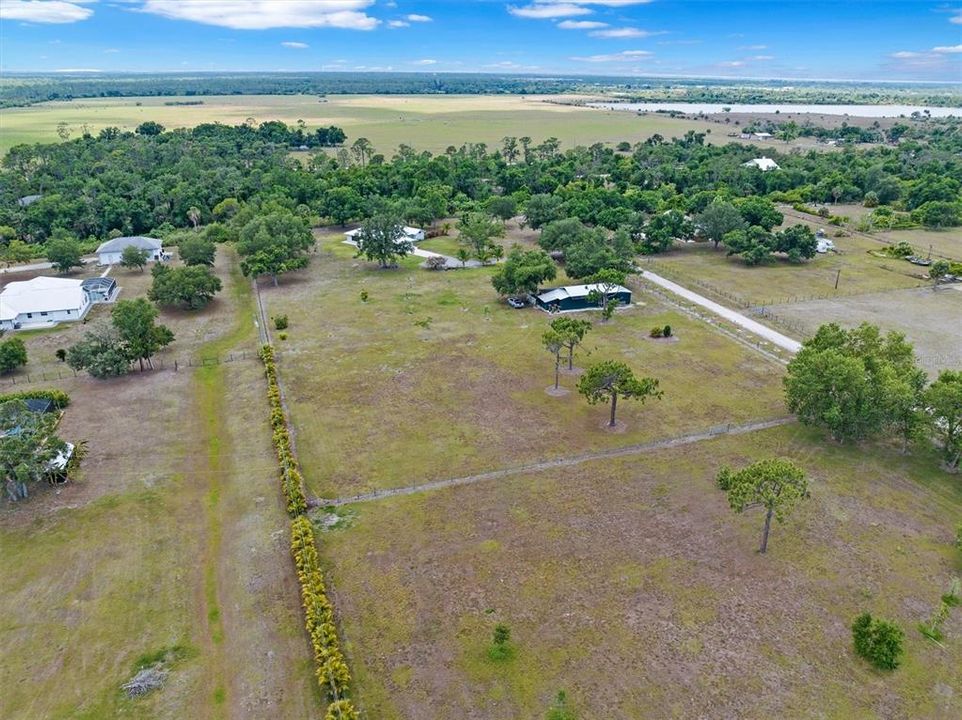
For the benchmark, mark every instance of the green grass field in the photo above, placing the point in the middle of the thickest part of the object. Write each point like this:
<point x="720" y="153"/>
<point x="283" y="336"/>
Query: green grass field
<point x="426" y="122"/>
<point x="173" y="539"/>
<point x="433" y="376"/>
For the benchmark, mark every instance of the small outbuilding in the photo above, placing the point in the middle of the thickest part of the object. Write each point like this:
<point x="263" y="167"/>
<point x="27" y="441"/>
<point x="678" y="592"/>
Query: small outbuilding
<point x="41" y="302"/>
<point x="572" y="298"/>
<point x="763" y="163"/>
<point x="110" y="252"/>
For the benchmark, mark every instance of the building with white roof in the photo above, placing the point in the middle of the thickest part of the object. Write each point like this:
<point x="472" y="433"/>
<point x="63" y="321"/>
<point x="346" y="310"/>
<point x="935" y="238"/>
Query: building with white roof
<point x="408" y="234"/>
<point x="42" y="301"/>
<point x="763" y="163"/>
<point x="110" y="252"/>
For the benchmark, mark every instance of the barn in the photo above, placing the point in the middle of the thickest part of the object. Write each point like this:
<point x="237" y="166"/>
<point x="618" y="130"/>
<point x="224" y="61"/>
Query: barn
<point x="572" y="298"/>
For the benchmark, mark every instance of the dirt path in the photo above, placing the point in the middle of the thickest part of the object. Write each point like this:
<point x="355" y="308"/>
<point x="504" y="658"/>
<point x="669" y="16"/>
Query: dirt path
<point x="763" y="331"/>
<point x="676" y="441"/>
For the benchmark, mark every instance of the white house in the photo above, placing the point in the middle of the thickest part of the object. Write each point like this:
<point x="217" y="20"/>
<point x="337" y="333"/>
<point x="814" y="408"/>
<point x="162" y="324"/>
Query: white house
<point x="42" y="301"/>
<point x="109" y="253"/>
<point x="761" y="136"/>
<point x="408" y="234"/>
<point x="763" y="163"/>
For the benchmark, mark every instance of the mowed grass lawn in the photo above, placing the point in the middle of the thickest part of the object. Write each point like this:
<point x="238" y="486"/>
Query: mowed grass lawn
<point x="434" y="377"/>
<point x="173" y="539"/>
<point x="425" y="122"/>
<point x="631" y="585"/>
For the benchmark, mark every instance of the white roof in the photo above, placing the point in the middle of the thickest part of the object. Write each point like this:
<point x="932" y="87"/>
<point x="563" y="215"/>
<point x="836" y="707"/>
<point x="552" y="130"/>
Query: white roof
<point x="575" y="291"/>
<point x="407" y="230"/>
<point x="42" y="294"/>
<point x="139" y="241"/>
<point x="762" y="163"/>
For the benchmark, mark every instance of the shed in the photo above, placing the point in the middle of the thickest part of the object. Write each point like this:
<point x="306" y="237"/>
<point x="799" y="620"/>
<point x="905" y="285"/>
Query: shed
<point x="110" y="252"/>
<point x="100" y="289"/>
<point x="42" y="301"/>
<point x="571" y="298"/>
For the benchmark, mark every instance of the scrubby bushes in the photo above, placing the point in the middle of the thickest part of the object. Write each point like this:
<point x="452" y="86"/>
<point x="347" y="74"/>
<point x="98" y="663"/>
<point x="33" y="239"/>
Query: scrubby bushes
<point x="280" y="322"/>
<point x="878" y="641"/>
<point x="59" y="398"/>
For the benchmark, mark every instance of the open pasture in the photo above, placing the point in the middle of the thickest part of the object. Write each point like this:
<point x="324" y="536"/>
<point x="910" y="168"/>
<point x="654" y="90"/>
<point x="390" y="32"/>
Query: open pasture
<point x="434" y="377"/>
<point x="425" y="122"/>
<point x="173" y="542"/>
<point x="631" y="585"/>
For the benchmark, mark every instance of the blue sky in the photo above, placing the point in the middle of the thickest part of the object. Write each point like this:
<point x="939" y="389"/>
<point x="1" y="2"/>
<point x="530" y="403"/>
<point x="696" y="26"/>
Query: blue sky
<point x="843" y="39"/>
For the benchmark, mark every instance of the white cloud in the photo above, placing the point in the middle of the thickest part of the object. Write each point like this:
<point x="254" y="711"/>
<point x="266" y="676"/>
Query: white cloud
<point x="753" y="47"/>
<point x="624" y="56"/>
<point x="398" y="24"/>
<point x="761" y="58"/>
<point x="624" y="33"/>
<point x="49" y="11"/>
<point x="425" y="61"/>
<point x="510" y="65"/>
<point x="263" y="14"/>
<point x="295" y="45"/>
<point x="111" y="51"/>
<point x="947" y="49"/>
<point x="78" y="70"/>
<point x="732" y="64"/>
<point x="543" y="11"/>
<point x="956" y="19"/>
<point x="905" y="55"/>
<point x="581" y="24"/>
<point x="414" y="17"/>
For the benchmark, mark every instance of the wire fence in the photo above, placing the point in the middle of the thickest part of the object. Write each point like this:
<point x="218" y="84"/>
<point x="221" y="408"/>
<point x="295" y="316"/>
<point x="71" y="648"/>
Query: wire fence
<point x="33" y="374"/>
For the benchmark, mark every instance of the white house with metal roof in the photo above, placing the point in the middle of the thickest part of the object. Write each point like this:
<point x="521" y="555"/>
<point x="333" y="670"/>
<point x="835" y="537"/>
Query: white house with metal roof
<point x="42" y="301"/>
<point x="408" y="234"/>
<point x="110" y="252"/>
<point x="763" y="163"/>
<point x="572" y="298"/>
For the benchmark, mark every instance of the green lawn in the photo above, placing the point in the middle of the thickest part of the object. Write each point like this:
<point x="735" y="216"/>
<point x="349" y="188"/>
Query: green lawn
<point x="444" y="244"/>
<point x="631" y="585"/>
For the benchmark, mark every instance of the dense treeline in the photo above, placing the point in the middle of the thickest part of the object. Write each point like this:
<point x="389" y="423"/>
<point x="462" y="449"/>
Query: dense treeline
<point x="156" y="182"/>
<point x="29" y="89"/>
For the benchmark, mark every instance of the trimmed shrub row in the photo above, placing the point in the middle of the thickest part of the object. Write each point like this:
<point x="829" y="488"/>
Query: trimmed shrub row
<point x="59" y="398"/>
<point x="291" y="480"/>
<point x="332" y="672"/>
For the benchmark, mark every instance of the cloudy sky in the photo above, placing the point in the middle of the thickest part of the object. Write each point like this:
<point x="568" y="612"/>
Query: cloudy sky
<point x="853" y="39"/>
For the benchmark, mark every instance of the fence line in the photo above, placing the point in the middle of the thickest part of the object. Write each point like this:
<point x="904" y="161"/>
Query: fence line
<point x="47" y="373"/>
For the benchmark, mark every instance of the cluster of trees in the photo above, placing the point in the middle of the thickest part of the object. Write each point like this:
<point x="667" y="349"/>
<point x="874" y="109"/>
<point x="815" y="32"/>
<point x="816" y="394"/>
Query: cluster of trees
<point x="860" y="384"/>
<point x="109" y="348"/>
<point x="154" y="183"/>
<point x="13" y="354"/>
<point x="29" y="445"/>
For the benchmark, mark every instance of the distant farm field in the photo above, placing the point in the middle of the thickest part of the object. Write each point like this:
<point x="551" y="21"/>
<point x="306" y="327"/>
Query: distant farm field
<point x="426" y="122"/>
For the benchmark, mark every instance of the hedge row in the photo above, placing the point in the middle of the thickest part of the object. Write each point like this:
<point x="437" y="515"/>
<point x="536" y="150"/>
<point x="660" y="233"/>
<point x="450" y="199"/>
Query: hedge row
<point x="332" y="672"/>
<point x="291" y="479"/>
<point x="59" y="398"/>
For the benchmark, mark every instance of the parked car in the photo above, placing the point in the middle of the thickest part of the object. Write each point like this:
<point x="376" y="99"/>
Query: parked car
<point x="518" y="303"/>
